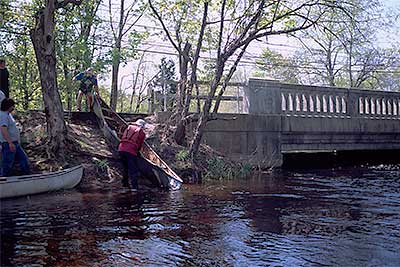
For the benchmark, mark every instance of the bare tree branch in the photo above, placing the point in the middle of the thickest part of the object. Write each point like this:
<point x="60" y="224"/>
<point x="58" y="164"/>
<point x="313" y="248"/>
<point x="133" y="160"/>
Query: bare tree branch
<point x="164" y="27"/>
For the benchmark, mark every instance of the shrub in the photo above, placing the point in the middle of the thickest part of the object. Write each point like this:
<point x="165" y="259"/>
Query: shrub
<point x="244" y="170"/>
<point x="217" y="168"/>
<point x="182" y="155"/>
<point x="100" y="165"/>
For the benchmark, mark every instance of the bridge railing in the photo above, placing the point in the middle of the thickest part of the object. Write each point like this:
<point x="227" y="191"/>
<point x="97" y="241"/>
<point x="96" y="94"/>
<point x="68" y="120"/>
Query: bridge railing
<point x="271" y="97"/>
<point x="303" y="101"/>
<point x="378" y="104"/>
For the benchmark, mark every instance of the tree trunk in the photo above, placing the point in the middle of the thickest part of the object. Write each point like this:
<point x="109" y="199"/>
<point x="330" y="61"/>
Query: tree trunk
<point x="117" y="57"/>
<point x="42" y="37"/>
<point x="114" y="84"/>
<point x="180" y="132"/>
<point x="135" y="80"/>
<point x="69" y="87"/>
<point x="25" y="78"/>
<point x="201" y="124"/>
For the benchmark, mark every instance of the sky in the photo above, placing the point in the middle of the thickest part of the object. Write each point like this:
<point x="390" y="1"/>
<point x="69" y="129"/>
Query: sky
<point x="276" y="43"/>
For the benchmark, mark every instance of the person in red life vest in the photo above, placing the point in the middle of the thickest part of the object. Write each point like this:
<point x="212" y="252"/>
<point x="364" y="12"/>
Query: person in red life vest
<point x="131" y="142"/>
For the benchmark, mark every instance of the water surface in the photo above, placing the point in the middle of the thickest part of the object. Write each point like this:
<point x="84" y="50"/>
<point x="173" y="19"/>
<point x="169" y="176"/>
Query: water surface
<point x="348" y="217"/>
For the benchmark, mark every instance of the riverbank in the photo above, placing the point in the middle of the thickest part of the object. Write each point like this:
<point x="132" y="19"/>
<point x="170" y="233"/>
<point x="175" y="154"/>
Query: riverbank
<point x="89" y="148"/>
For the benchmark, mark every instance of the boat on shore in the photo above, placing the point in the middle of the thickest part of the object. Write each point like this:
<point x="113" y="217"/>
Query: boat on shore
<point x="15" y="186"/>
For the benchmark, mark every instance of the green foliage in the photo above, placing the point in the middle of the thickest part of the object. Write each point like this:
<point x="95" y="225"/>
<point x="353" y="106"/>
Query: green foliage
<point x="166" y="74"/>
<point x="165" y="80"/>
<point x="274" y="65"/>
<point x="341" y="50"/>
<point x="182" y="155"/>
<point x="100" y="165"/>
<point x="135" y="38"/>
<point x="183" y="159"/>
<point x="244" y="170"/>
<point x="219" y="169"/>
<point x="207" y="72"/>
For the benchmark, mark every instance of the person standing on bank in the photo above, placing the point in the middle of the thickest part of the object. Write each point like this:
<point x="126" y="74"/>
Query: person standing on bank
<point x="4" y="78"/>
<point x="131" y="142"/>
<point x="88" y="84"/>
<point x="10" y="141"/>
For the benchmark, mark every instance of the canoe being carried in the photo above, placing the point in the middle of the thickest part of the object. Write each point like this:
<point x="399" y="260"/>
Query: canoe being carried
<point x="15" y="186"/>
<point x="151" y="165"/>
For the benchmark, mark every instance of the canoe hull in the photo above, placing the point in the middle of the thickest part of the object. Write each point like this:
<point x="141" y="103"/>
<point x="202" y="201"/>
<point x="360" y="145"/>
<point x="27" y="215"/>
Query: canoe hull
<point x="15" y="186"/>
<point x="153" y="167"/>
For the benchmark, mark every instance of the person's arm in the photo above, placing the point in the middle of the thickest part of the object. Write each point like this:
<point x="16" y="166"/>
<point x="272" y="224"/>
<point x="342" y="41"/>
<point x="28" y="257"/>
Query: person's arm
<point x="77" y="77"/>
<point x="6" y="136"/>
<point x="2" y="96"/>
<point x="142" y="137"/>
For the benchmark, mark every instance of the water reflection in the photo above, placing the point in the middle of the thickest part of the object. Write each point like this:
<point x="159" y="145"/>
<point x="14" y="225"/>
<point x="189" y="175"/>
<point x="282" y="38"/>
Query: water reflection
<point x="329" y="218"/>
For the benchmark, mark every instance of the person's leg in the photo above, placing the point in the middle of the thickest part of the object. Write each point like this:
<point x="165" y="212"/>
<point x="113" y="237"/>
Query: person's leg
<point x="22" y="158"/>
<point x="79" y="100"/>
<point x="8" y="160"/>
<point x="133" y="170"/>
<point x="125" y="177"/>
<point x="89" y="102"/>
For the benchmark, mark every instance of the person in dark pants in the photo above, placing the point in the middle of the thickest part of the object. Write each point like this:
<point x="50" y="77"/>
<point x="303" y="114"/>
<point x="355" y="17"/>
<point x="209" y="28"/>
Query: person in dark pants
<point x="131" y="142"/>
<point x="4" y="78"/>
<point x="10" y="141"/>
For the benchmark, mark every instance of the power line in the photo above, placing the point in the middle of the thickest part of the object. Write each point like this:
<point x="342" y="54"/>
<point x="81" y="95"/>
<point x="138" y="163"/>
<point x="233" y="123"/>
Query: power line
<point x="161" y="29"/>
<point x="252" y="63"/>
<point x="343" y="55"/>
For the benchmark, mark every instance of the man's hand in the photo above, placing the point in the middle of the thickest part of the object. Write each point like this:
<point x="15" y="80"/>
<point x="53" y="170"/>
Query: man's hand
<point x="13" y="148"/>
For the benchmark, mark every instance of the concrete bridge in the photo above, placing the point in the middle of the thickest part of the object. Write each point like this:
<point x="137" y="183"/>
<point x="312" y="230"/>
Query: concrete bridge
<point x="286" y="118"/>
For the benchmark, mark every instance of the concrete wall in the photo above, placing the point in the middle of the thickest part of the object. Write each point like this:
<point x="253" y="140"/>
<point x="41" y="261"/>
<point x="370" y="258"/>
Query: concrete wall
<point x="329" y="134"/>
<point x="251" y="138"/>
<point x="286" y="118"/>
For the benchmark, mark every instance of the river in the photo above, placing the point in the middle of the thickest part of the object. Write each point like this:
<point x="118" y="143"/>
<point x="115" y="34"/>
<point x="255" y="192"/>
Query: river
<point x="340" y="217"/>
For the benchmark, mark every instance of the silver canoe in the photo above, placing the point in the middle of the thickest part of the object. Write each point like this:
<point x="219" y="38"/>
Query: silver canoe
<point x="15" y="186"/>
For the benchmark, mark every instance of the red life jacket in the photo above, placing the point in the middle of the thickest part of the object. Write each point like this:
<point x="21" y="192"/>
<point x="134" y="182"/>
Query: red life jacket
<point x="132" y="140"/>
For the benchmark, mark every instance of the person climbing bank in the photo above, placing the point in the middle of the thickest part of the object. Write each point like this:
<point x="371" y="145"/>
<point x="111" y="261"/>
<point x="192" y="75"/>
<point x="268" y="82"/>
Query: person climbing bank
<point x="88" y="84"/>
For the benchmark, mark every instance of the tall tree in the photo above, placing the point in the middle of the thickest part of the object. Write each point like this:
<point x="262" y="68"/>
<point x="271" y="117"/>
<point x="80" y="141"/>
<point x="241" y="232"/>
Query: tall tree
<point x="121" y="25"/>
<point x="342" y="49"/>
<point x="233" y="25"/>
<point x="188" y="42"/>
<point x="274" y="65"/>
<point x="165" y="80"/>
<point x="75" y="44"/>
<point x="43" y="39"/>
<point x="17" y="49"/>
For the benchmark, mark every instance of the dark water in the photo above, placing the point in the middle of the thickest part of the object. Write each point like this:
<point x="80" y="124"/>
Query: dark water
<point x="310" y="218"/>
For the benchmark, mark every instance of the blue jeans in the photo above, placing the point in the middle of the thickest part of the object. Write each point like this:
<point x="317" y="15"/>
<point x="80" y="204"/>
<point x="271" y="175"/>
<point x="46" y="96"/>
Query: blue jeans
<point x="131" y="167"/>
<point x="10" y="157"/>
